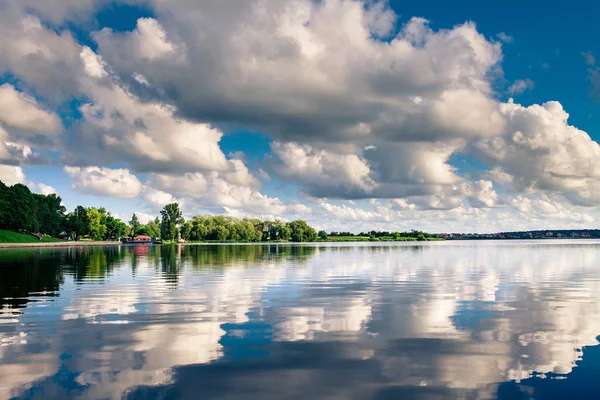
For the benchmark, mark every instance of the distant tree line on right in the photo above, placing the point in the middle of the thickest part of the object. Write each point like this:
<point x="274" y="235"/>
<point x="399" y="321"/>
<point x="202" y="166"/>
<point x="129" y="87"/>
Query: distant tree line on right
<point x="413" y="235"/>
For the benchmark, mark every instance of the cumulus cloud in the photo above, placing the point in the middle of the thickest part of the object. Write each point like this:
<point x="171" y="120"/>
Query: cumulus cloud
<point x="117" y="126"/>
<point x="366" y="111"/>
<point x="11" y="175"/>
<point x="45" y="59"/>
<point x="232" y="189"/>
<point x="45" y="189"/>
<point x="322" y="172"/>
<point x="20" y="111"/>
<point x="147" y="42"/>
<point x="543" y="152"/>
<point x="157" y="199"/>
<point x="322" y="89"/>
<point x="104" y="181"/>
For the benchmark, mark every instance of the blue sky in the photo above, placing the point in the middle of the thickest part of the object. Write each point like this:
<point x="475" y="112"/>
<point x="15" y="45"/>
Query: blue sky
<point x="352" y="115"/>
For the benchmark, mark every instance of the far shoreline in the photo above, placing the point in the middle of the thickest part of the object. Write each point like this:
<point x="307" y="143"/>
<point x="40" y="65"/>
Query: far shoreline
<point x="72" y="244"/>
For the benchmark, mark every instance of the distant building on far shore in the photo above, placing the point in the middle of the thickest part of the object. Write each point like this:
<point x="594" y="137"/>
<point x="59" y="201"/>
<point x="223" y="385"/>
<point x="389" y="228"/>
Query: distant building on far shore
<point x="139" y="239"/>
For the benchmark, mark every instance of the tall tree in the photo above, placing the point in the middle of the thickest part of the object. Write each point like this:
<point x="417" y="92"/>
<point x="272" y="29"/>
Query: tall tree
<point x="134" y="224"/>
<point x="82" y="214"/>
<point x="171" y="218"/>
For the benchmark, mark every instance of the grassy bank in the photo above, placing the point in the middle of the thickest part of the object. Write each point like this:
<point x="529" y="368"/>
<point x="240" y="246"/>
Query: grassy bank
<point x="15" y="237"/>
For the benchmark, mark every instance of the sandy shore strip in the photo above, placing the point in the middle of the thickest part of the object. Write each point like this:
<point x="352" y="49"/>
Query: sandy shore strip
<point x="57" y="244"/>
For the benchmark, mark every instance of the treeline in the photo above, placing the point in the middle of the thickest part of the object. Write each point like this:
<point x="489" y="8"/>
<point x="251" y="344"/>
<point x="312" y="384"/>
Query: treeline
<point x="93" y="223"/>
<point x="221" y="228"/>
<point x="385" y="235"/>
<point x="22" y="210"/>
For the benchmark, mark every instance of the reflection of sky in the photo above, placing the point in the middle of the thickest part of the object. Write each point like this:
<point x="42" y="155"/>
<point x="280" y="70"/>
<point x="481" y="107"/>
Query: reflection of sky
<point x="448" y="319"/>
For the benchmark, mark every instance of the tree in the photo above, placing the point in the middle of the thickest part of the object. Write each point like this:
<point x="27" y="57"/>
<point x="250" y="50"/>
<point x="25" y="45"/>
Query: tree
<point x="323" y="235"/>
<point x="115" y="228"/>
<point x="73" y="225"/>
<point x="20" y="211"/>
<point x="153" y="228"/>
<point x="301" y="232"/>
<point x="186" y="230"/>
<point x="171" y="218"/>
<point x="134" y="224"/>
<point x="96" y="229"/>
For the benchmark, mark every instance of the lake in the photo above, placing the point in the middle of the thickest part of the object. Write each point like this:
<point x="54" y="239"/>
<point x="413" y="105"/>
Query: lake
<point x="437" y="320"/>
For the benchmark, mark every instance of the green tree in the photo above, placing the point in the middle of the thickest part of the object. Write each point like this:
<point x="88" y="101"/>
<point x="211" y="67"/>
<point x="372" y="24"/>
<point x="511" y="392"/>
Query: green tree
<point x="134" y="224"/>
<point x="186" y="230"/>
<point x="96" y="229"/>
<point x="171" y="218"/>
<point x="115" y="228"/>
<point x="301" y="232"/>
<point x="82" y="214"/>
<point x="73" y="225"/>
<point x="323" y="235"/>
<point x="200" y="228"/>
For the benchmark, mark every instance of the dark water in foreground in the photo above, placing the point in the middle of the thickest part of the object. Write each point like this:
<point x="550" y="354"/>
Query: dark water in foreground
<point x="464" y="320"/>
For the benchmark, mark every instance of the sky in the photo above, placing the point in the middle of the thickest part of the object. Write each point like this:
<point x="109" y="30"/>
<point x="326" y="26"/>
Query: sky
<point x="446" y="116"/>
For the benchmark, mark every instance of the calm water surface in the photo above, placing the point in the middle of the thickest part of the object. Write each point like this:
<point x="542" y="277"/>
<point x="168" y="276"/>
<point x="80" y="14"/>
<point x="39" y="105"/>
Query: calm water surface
<point x="464" y="320"/>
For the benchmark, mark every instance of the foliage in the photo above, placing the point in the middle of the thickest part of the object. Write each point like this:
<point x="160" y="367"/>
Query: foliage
<point x="96" y="230"/>
<point x="20" y="209"/>
<point x="229" y="229"/>
<point x="171" y="218"/>
<point x="135" y="225"/>
<point x="115" y="228"/>
<point x="24" y="211"/>
<point x="301" y="232"/>
<point x="384" y="235"/>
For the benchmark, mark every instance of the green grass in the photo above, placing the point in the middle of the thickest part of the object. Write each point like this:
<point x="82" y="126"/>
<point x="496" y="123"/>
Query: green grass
<point x="15" y="237"/>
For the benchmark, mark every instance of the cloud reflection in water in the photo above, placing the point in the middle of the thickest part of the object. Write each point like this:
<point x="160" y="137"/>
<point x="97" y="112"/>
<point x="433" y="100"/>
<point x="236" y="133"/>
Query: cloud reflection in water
<point x="358" y="321"/>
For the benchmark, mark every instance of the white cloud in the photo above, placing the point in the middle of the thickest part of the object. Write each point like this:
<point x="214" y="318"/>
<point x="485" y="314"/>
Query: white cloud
<point x="322" y="170"/>
<point x="520" y="86"/>
<point x="93" y="65"/>
<point x="45" y="189"/>
<point x="104" y="181"/>
<point x="504" y="37"/>
<point x="117" y="126"/>
<point x="543" y="152"/>
<point x="157" y="199"/>
<point x="234" y="188"/>
<point x="148" y="42"/>
<point x="20" y="111"/>
<point x="46" y="59"/>
<point x="364" y="111"/>
<point x="11" y="175"/>
<point x="589" y="58"/>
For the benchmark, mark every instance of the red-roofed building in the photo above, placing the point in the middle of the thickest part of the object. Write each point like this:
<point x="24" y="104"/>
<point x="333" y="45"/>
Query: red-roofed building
<point x="139" y="239"/>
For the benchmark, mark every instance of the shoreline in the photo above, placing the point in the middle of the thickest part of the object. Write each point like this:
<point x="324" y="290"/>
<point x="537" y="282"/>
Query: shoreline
<point x="57" y="244"/>
<point x="113" y="243"/>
